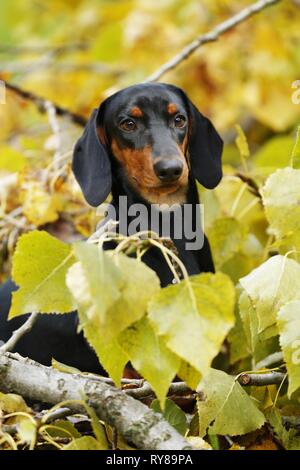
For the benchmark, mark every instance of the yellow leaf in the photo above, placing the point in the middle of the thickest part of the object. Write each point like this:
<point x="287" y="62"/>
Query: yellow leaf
<point x="39" y="206"/>
<point x="11" y="160"/>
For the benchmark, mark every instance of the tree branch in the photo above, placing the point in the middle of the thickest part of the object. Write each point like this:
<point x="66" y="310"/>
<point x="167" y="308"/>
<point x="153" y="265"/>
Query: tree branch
<point x="140" y="388"/>
<point x="43" y="104"/>
<point x="135" y="421"/>
<point x="17" y="334"/>
<point x="37" y="49"/>
<point x="270" y="360"/>
<point x="211" y="36"/>
<point x="259" y="380"/>
<point x="145" y="389"/>
<point x="252" y="185"/>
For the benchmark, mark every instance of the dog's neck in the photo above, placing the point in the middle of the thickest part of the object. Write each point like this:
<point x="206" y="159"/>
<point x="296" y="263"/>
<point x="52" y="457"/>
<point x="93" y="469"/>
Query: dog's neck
<point x="130" y="206"/>
<point x="196" y="259"/>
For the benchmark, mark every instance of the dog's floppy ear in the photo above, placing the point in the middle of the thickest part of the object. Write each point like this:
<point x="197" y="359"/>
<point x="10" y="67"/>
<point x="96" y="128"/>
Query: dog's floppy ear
<point x="205" y="149"/>
<point x="91" y="164"/>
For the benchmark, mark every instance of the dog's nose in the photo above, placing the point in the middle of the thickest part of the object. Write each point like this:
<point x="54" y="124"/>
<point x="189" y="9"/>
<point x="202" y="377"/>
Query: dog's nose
<point x="168" y="170"/>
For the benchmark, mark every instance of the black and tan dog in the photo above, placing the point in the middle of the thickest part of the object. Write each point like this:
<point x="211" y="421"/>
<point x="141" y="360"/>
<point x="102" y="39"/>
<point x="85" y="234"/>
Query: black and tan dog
<point x="149" y="143"/>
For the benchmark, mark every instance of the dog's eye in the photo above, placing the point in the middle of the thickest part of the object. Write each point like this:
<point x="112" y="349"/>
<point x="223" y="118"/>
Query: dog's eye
<point x="128" y="125"/>
<point x="180" y="120"/>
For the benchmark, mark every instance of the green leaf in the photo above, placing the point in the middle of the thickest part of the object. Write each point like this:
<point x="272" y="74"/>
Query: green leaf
<point x="12" y="403"/>
<point x="98" y="276"/>
<point x="194" y="317"/>
<point x="98" y="283"/>
<point x="40" y="263"/>
<point x="63" y="367"/>
<point x="98" y="428"/>
<point x="62" y="428"/>
<point x="288" y="438"/>
<point x="289" y="330"/>
<point x="110" y="354"/>
<point x="84" y="443"/>
<point x="238" y="341"/>
<point x="257" y="344"/>
<point x="227" y="409"/>
<point x="271" y="285"/>
<point x="173" y="414"/>
<point x="295" y="157"/>
<point x="281" y="198"/>
<point x="104" y="289"/>
<point x="275" y="153"/>
<point x="150" y="356"/>
<point x="27" y="431"/>
<point x="242" y="144"/>
<point x="226" y="237"/>
<point x="211" y="204"/>
<point x="236" y="199"/>
<point x="189" y="375"/>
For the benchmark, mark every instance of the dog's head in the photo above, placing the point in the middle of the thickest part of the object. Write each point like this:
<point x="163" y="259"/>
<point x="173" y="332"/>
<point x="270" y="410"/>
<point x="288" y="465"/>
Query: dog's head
<point x="158" y="138"/>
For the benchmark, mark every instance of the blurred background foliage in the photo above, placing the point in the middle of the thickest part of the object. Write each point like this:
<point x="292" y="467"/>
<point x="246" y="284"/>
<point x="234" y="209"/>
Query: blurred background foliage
<point x="77" y="52"/>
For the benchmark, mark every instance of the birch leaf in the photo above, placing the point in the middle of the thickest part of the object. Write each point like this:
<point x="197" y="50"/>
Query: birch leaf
<point x="194" y="319"/>
<point x="227" y="409"/>
<point x="150" y="356"/>
<point x="270" y="286"/>
<point x="289" y="330"/>
<point x="40" y="264"/>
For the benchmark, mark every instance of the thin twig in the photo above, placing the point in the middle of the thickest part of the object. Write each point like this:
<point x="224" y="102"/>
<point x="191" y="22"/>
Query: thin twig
<point x="41" y="49"/>
<point x="50" y="62"/>
<point x="41" y="103"/>
<point x="59" y="413"/>
<point x="270" y="360"/>
<point x="176" y="388"/>
<point x="17" y="334"/>
<point x="252" y="185"/>
<point x="211" y="36"/>
<point x="52" y="117"/>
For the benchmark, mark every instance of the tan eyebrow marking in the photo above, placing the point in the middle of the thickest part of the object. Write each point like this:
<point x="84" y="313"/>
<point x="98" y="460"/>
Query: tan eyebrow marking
<point x="136" y="112"/>
<point x="172" y="108"/>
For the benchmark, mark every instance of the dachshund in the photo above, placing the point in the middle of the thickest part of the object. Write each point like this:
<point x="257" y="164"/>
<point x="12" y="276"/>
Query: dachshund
<point x="146" y="145"/>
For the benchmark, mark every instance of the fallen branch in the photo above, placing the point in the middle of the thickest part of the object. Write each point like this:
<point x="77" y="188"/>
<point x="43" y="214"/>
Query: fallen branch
<point x="133" y="420"/>
<point x="211" y="36"/>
